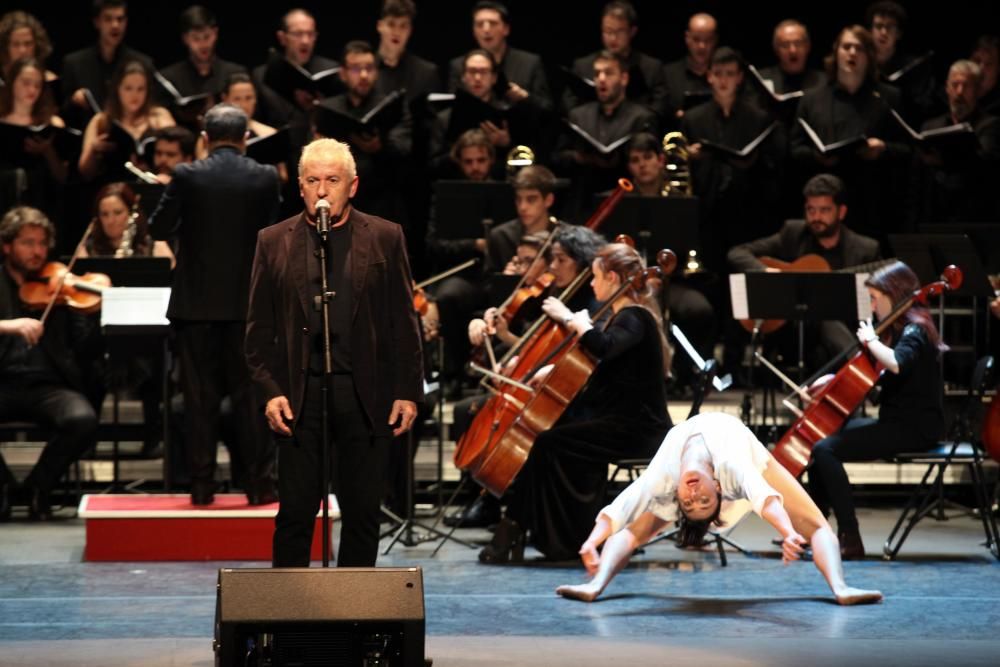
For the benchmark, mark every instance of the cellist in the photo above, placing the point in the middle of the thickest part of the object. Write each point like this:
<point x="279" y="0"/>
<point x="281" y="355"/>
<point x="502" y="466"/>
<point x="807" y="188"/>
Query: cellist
<point x="42" y="367"/>
<point x="621" y="413"/>
<point x="911" y="416"/>
<point x="572" y="250"/>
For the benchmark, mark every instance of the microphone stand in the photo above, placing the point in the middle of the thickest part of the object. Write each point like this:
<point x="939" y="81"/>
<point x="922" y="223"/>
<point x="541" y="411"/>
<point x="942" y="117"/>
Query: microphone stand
<point x="322" y="302"/>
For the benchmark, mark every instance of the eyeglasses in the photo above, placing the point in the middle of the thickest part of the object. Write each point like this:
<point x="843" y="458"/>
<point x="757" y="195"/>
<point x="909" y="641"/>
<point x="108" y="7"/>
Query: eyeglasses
<point x="358" y="69"/>
<point x="478" y="71"/>
<point x="302" y="34"/>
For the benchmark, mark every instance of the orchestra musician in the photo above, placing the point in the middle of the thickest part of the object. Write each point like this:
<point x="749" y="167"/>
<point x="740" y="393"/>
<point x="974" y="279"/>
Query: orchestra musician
<point x="43" y="368"/>
<point x="911" y="415"/>
<point x="121" y="228"/>
<point x="620" y="414"/>
<point x="711" y="470"/>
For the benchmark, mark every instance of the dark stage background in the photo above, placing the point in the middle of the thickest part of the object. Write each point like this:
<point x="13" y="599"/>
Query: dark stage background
<point x="559" y="31"/>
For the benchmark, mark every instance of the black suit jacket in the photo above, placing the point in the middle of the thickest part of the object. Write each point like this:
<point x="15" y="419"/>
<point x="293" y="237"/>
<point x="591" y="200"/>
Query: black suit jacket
<point x="794" y="240"/>
<point x="214" y="208"/>
<point x="385" y="341"/>
<point x="520" y="67"/>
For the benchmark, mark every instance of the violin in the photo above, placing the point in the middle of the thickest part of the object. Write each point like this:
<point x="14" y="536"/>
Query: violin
<point x="54" y="284"/>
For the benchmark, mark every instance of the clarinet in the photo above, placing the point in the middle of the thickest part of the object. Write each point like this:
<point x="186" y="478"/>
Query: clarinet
<point x="125" y="246"/>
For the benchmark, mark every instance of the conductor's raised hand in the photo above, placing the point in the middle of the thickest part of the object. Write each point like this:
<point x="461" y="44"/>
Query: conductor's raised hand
<point x="279" y="415"/>
<point x="404" y="412"/>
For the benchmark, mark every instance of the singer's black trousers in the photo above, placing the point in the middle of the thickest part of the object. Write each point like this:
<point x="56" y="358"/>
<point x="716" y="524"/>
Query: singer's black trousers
<point x="357" y="470"/>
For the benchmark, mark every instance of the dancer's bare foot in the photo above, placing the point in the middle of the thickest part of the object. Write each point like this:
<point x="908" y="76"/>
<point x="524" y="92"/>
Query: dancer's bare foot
<point x="850" y="595"/>
<point x="586" y="592"/>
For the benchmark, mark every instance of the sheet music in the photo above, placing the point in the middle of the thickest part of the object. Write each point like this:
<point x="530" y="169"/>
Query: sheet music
<point x="135" y="306"/>
<point x="738" y="293"/>
<point x="861" y="292"/>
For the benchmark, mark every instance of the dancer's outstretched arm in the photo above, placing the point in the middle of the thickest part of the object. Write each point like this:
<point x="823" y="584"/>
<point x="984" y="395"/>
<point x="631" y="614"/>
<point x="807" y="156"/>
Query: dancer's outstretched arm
<point x="617" y="550"/>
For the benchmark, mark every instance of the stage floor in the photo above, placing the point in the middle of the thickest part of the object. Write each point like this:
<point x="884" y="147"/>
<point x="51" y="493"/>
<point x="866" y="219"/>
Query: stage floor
<point x="674" y="607"/>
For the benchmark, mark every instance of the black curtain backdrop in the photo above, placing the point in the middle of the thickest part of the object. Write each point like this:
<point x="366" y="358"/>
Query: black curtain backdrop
<point x="558" y="30"/>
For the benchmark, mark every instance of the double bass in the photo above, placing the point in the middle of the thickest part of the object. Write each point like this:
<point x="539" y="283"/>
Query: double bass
<point x="503" y="460"/>
<point x="830" y="407"/>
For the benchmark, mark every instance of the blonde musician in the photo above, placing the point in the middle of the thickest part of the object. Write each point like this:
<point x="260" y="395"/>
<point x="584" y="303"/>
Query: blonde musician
<point x="620" y="414"/>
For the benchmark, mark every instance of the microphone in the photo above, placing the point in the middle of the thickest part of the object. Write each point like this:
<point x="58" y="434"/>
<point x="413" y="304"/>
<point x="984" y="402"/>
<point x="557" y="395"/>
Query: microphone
<point x="323" y="218"/>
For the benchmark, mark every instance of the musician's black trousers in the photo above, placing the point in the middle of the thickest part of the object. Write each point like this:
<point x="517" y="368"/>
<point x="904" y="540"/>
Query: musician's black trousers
<point x="862" y="439"/>
<point x="67" y="413"/>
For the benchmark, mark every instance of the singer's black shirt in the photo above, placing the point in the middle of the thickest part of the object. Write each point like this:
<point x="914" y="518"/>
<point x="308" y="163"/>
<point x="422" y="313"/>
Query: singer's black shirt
<point x="339" y="282"/>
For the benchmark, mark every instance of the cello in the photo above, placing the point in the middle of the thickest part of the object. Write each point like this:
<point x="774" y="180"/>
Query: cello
<point x="496" y="469"/>
<point x="830" y="407"/>
<point x="501" y="408"/>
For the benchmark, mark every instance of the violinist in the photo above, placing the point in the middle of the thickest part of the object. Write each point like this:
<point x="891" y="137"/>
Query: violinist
<point x="620" y="414"/>
<point x="120" y="228"/>
<point x="911" y="415"/>
<point x="42" y="367"/>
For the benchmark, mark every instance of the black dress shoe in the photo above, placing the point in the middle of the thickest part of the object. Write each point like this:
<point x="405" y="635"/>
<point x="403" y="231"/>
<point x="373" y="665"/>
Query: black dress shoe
<point x="4" y="501"/>
<point x="482" y="513"/>
<point x="202" y="493"/>
<point x="507" y="545"/>
<point x="262" y="498"/>
<point x="851" y="546"/>
<point x="39" y="507"/>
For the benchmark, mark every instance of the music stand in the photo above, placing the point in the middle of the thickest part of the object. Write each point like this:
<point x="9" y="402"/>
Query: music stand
<point x="655" y="223"/>
<point x="133" y="315"/>
<point x="404" y="532"/>
<point x="800" y="297"/>
<point x="929" y="254"/>
<point x="460" y="206"/>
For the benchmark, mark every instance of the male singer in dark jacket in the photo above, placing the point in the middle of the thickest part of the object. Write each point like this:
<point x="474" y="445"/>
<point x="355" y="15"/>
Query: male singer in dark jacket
<point x="375" y="345"/>
<point x="214" y="208"/>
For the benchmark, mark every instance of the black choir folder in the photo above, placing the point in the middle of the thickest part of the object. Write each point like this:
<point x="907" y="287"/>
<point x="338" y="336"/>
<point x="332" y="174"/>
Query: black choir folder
<point x="66" y="141"/>
<point x="909" y="67"/>
<point x="728" y="151"/>
<point x="177" y="100"/>
<point x="337" y="123"/>
<point x="767" y="87"/>
<point x="127" y="146"/>
<point x="959" y="136"/>
<point x="582" y="87"/>
<point x="837" y="147"/>
<point x="603" y="149"/>
<point x="468" y="111"/>
<point x="285" y="77"/>
<point x="693" y="98"/>
<point x="271" y="149"/>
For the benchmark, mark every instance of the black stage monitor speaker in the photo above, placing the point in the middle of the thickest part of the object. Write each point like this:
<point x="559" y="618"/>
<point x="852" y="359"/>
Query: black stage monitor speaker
<point x="292" y="617"/>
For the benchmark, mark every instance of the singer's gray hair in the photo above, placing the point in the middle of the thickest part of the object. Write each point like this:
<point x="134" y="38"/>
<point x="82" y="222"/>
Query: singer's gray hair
<point x="329" y="150"/>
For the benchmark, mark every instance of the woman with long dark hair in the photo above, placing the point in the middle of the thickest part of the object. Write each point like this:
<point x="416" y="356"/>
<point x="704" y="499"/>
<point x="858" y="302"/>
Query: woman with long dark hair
<point x="131" y="107"/>
<point x="120" y="225"/>
<point x="621" y="413"/>
<point x="911" y="416"/>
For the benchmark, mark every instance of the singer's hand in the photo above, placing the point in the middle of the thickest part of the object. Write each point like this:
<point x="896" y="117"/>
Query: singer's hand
<point x="405" y="412"/>
<point x="279" y="415"/>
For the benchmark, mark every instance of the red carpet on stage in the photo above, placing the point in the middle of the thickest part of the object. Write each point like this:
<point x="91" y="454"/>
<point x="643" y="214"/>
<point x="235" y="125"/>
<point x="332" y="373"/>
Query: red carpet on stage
<point x="129" y="527"/>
